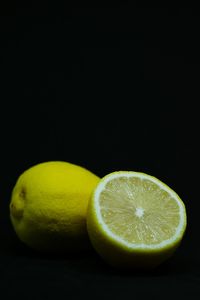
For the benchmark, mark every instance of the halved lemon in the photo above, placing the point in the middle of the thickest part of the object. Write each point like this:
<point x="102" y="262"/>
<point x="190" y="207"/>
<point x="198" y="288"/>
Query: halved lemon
<point x="135" y="220"/>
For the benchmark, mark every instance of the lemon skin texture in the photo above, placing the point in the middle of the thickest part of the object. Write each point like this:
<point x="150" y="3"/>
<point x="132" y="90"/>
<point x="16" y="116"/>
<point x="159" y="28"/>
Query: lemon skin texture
<point x="49" y="204"/>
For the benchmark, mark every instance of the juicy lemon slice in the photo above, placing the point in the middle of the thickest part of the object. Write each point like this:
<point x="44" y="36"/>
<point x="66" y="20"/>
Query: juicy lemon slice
<point x="134" y="219"/>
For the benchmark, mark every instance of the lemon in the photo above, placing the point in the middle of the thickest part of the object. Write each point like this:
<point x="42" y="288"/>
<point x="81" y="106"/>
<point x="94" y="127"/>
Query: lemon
<point x="49" y="204"/>
<point x="134" y="220"/>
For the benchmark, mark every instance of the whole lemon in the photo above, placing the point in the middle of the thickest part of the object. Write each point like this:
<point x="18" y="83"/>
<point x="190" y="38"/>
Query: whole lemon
<point x="49" y="204"/>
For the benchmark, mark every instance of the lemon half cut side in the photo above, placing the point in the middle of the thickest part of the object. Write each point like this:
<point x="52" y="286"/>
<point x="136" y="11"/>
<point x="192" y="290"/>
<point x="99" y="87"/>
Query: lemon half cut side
<point x="135" y="220"/>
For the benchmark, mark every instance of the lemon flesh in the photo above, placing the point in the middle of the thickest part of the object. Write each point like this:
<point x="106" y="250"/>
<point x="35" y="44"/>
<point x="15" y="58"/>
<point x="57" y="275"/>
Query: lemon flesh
<point x="49" y="204"/>
<point x="134" y="219"/>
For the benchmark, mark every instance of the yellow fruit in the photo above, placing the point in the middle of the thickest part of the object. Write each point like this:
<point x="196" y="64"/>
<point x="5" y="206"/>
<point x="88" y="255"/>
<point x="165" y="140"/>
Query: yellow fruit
<point x="49" y="204"/>
<point x="134" y="220"/>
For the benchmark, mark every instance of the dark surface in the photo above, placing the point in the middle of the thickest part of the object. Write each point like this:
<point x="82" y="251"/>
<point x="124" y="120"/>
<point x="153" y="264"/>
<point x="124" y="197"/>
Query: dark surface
<point x="109" y="89"/>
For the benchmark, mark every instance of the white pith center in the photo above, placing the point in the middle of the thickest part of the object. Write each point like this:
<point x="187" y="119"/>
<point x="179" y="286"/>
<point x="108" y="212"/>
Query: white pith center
<point x="139" y="212"/>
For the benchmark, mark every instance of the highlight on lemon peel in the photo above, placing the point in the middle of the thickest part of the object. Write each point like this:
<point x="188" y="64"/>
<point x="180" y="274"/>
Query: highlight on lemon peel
<point x="134" y="220"/>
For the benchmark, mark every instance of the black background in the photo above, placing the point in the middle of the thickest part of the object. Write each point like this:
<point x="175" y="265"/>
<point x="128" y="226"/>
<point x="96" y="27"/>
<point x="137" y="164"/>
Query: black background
<point x="108" y="88"/>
